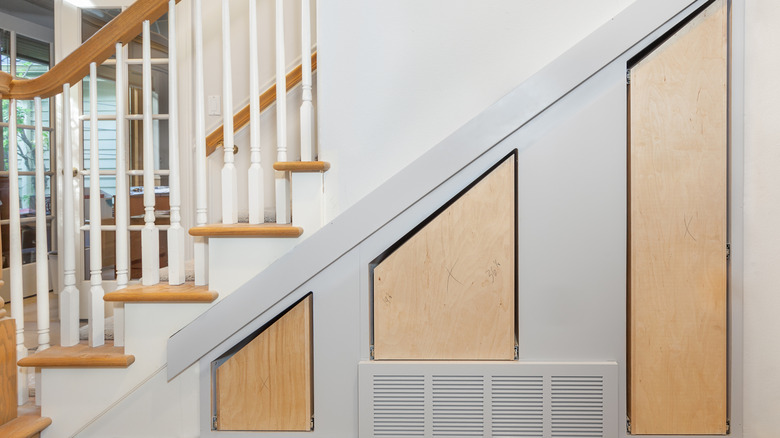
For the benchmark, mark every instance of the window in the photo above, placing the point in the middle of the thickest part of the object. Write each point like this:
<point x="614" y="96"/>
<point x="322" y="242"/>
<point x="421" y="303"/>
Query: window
<point x="27" y="58"/>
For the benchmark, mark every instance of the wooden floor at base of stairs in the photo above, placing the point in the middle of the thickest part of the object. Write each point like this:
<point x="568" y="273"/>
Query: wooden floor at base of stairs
<point x="163" y="293"/>
<point x="302" y="166"/>
<point x="25" y="426"/>
<point x="80" y="356"/>
<point x="246" y="230"/>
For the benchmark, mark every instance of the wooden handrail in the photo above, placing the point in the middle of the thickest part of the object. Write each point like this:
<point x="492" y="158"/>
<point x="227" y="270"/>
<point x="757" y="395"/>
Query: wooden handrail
<point x="99" y="47"/>
<point x="268" y="97"/>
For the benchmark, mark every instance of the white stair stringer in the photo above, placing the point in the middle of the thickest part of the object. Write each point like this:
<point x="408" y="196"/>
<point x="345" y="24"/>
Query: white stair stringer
<point x="76" y="397"/>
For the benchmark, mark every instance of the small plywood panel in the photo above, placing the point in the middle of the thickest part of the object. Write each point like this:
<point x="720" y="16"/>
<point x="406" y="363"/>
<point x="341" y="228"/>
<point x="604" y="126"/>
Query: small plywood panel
<point x="677" y="246"/>
<point x="448" y="292"/>
<point x="7" y="370"/>
<point x="267" y="384"/>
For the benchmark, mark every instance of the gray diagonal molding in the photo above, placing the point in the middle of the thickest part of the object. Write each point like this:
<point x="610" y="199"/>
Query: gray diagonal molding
<point x="419" y="178"/>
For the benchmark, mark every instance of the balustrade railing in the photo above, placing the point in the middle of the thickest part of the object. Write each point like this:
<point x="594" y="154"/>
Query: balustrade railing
<point x="99" y="227"/>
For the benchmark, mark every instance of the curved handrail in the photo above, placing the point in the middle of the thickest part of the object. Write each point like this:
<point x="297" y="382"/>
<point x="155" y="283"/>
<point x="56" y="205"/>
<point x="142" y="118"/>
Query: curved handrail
<point x="123" y="28"/>
<point x="268" y="97"/>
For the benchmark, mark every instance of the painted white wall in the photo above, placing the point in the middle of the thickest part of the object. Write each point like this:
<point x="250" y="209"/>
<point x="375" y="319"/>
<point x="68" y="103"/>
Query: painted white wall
<point x="762" y="216"/>
<point x="398" y="77"/>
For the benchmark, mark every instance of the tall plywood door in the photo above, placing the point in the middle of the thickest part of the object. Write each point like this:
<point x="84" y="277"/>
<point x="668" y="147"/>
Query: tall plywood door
<point x="677" y="364"/>
<point x="266" y="385"/>
<point x="447" y="291"/>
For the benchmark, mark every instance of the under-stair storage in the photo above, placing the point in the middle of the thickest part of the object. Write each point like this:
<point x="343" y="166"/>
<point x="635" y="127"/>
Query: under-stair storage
<point x="446" y="291"/>
<point x="265" y="383"/>
<point x="678" y="252"/>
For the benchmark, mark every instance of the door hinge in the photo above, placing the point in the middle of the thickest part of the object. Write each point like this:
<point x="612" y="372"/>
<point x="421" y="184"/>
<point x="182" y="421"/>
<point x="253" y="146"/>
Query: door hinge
<point x="214" y="422"/>
<point x="312" y="423"/>
<point x="728" y="426"/>
<point x="371" y="352"/>
<point x="628" y="77"/>
<point x="628" y="425"/>
<point x="728" y="251"/>
<point x="517" y="352"/>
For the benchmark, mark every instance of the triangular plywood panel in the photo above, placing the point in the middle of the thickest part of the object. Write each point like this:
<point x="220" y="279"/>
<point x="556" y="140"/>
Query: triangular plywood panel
<point x="448" y="292"/>
<point x="677" y="368"/>
<point x="267" y="384"/>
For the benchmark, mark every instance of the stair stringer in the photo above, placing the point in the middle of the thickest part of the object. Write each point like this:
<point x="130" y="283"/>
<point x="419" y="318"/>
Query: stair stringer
<point x="414" y="182"/>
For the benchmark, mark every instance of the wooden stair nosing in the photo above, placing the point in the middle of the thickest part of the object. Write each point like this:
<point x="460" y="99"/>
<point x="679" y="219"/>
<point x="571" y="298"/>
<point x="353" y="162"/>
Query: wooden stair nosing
<point x="24" y="426"/>
<point x="163" y="293"/>
<point x="246" y="230"/>
<point x="302" y="166"/>
<point x="79" y="356"/>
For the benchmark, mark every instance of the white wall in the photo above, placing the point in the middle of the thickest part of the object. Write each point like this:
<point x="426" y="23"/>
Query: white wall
<point x="398" y="77"/>
<point x="762" y="216"/>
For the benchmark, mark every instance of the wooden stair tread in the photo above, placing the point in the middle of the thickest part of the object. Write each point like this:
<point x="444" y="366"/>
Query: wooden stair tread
<point x="302" y="166"/>
<point x="246" y="230"/>
<point x="81" y="356"/>
<point x="24" y="426"/>
<point x="163" y="293"/>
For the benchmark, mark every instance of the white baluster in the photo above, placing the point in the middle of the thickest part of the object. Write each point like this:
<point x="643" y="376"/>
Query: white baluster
<point x="283" y="214"/>
<point x="229" y="181"/>
<point x="150" y="235"/>
<point x="255" y="175"/>
<point x="308" y="152"/>
<point x="69" y="297"/>
<point x="95" y="305"/>
<point x="122" y="200"/>
<point x="41" y="247"/>
<point x="15" y="247"/>
<point x="201" y="187"/>
<point x="175" y="232"/>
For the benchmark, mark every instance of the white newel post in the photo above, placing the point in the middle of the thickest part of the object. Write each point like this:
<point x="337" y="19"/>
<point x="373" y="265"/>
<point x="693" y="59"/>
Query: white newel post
<point x="122" y="206"/>
<point x="95" y="305"/>
<point x="255" y="176"/>
<point x="41" y="241"/>
<point x="69" y="297"/>
<point x="229" y="180"/>
<point x="308" y="152"/>
<point x="15" y="248"/>
<point x="283" y="214"/>
<point x="201" y="200"/>
<point x="175" y="231"/>
<point x="150" y="235"/>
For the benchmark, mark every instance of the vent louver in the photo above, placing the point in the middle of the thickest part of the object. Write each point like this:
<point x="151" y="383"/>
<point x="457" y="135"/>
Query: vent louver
<point x="518" y="406"/>
<point x="469" y="399"/>
<point x="399" y="406"/>
<point x="577" y="404"/>
<point x="458" y="406"/>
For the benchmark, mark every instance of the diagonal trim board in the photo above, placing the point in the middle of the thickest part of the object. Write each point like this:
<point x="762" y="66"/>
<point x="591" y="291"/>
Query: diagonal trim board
<point x="419" y="178"/>
<point x="453" y="280"/>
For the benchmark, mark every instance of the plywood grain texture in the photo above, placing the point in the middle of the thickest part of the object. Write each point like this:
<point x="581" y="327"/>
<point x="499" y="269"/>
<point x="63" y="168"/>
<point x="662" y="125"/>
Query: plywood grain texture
<point x="267" y="385"/>
<point x="448" y="292"/>
<point x="7" y="370"/>
<point x="677" y="245"/>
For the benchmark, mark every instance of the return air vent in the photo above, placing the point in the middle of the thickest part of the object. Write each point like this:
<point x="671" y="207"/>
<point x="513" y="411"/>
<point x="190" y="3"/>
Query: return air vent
<point x="399" y="405"/>
<point x="577" y="406"/>
<point x="518" y="406"/>
<point x="487" y="399"/>
<point x="458" y="405"/>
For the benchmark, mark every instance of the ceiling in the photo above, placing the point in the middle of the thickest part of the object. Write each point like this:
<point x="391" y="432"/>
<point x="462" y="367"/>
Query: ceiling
<point x="40" y="12"/>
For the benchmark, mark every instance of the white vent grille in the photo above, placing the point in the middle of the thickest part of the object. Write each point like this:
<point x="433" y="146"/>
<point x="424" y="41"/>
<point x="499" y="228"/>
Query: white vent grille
<point x="458" y="406"/>
<point x="577" y="406"/>
<point x="517" y="406"/>
<point x="399" y="405"/>
<point x="488" y="399"/>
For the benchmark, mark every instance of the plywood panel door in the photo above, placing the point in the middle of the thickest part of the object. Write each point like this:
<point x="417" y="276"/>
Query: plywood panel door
<point x="448" y="292"/>
<point x="267" y="384"/>
<point x="677" y="246"/>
